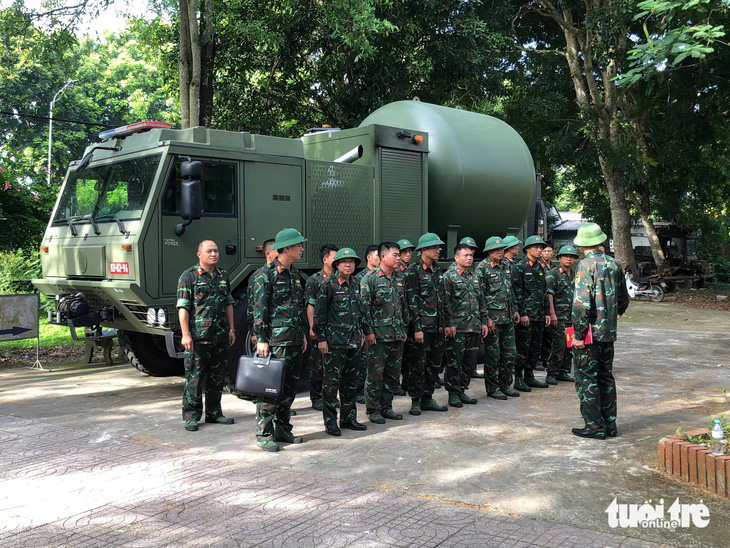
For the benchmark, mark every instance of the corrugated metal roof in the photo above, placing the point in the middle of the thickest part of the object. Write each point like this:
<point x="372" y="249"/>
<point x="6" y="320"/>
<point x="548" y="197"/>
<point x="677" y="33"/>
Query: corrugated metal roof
<point x="568" y="225"/>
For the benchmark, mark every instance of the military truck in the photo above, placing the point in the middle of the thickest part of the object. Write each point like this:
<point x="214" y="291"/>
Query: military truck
<point x="131" y="212"/>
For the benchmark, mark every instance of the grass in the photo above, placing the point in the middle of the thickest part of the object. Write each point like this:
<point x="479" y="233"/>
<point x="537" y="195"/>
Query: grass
<point x="50" y="335"/>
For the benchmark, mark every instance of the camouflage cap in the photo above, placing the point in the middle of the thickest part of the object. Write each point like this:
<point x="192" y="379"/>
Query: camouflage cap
<point x="534" y="240"/>
<point x="429" y="239"/>
<point x="511" y="241"/>
<point x="287" y="237"/>
<point x="405" y="244"/>
<point x="495" y="242"/>
<point x="589" y="234"/>
<point x="346" y="253"/>
<point x="567" y="250"/>
<point x="471" y="242"/>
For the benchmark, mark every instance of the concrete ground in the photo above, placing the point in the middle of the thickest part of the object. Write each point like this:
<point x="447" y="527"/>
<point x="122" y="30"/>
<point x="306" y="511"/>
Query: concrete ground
<point x="512" y="471"/>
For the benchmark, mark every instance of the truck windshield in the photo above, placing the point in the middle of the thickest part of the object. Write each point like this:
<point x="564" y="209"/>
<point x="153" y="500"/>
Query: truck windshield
<point x="105" y="192"/>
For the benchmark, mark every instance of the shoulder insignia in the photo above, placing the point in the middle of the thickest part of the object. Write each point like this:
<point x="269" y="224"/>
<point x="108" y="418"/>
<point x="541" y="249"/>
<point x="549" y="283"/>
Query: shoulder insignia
<point x="279" y="269"/>
<point x="425" y="266"/>
<point x="340" y="280"/>
<point x="200" y="271"/>
<point x="459" y="271"/>
<point x="297" y="281"/>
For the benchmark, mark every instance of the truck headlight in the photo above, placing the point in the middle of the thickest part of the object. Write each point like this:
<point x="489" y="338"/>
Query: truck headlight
<point x="151" y="317"/>
<point x="161" y="317"/>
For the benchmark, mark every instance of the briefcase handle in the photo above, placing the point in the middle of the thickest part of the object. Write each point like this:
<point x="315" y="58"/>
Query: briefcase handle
<point x="257" y="360"/>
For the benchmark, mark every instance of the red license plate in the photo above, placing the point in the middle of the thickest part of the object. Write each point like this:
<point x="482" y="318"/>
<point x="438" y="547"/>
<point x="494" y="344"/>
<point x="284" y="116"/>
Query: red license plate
<point x="118" y="268"/>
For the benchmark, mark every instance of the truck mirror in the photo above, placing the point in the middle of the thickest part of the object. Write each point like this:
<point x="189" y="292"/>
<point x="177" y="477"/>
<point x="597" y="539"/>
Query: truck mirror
<point x="191" y="194"/>
<point x="191" y="170"/>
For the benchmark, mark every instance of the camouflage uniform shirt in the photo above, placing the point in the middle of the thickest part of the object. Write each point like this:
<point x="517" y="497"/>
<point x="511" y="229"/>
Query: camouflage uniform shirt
<point x="410" y="283"/>
<point x="278" y="317"/>
<point x="249" y="292"/>
<point x="528" y="284"/>
<point x="311" y="288"/>
<point x="428" y="294"/>
<point x="205" y="297"/>
<point x="600" y="296"/>
<point x="385" y="311"/>
<point x="560" y="284"/>
<point x="464" y="306"/>
<point x="497" y="288"/>
<point x="337" y="316"/>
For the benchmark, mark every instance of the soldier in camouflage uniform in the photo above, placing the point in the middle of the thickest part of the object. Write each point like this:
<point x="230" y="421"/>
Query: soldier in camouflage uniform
<point x="600" y="300"/>
<point x="499" y="345"/>
<point x="326" y="254"/>
<point x="270" y="254"/>
<point x="280" y="328"/>
<point x="385" y="318"/>
<point x="337" y="325"/>
<point x="372" y="258"/>
<point x="204" y="296"/>
<point x="428" y="292"/>
<point x="466" y="320"/>
<point x="560" y="286"/>
<point x="409" y="349"/>
<point x="528" y="283"/>
<point x="546" y="260"/>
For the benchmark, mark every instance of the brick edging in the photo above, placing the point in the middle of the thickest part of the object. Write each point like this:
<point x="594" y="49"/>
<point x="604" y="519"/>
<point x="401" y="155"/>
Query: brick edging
<point x="694" y="464"/>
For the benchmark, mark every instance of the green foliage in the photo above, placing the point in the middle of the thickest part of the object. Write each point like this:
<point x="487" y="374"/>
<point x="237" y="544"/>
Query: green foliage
<point x="17" y="269"/>
<point x="721" y="265"/>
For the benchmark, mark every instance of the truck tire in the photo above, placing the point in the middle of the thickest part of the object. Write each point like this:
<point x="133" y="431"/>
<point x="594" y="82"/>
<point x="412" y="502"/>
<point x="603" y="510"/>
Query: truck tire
<point x="147" y="354"/>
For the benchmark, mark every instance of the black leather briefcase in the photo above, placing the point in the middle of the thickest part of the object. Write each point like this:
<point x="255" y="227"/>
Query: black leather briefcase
<point x="261" y="376"/>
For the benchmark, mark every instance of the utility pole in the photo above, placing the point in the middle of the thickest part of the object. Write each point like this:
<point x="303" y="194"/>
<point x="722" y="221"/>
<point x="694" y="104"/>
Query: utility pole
<point x="50" y="127"/>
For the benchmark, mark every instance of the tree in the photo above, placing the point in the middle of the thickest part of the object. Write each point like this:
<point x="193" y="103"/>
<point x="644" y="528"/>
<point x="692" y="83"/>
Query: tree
<point x="196" y="62"/>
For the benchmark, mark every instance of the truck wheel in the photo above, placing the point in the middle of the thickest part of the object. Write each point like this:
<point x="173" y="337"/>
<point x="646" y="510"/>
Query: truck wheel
<point x="147" y="354"/>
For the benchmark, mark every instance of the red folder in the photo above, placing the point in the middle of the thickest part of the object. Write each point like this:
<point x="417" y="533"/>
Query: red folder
<point x="570" y="335"/>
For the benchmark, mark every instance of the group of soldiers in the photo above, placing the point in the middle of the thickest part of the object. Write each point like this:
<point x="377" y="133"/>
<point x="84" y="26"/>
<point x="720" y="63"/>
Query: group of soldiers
<point x="402" y="322"/>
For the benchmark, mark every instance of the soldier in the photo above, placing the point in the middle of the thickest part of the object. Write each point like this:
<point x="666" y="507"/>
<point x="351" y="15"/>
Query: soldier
<point x="472" y="244"/>
<point x="466" y="321"/>
<point x="270" y="254"/>
<point x="203" y="295"/>
<point x="385" y="318"/>
<point x="499" y="345"/>
<point x="600" y="300"/>
<point x="560" y="285"/>
<point x="326" y="254"/>
<point x="528" y="283"/>
<point x="546" y="260"/>
<point x="425" y="360"/>
<point x="409" y="350"/>
<point x="337" y="324"/>
<point x="372" y="258"/>
<point x="280" y="328"/>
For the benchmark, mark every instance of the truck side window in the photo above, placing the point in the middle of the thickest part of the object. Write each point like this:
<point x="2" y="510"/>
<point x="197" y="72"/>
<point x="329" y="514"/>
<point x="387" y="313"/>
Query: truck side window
<point x="219" y="190"/>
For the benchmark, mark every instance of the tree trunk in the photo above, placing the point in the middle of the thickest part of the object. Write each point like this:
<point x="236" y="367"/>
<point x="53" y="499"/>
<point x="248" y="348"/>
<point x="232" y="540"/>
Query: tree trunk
<point x="184" y="65"/>
<point x="620" y="218"/>
<point x="207" y="59"/>
<point x="195" y="73"/>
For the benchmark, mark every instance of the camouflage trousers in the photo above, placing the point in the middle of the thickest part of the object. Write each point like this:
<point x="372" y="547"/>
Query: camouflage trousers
<point x="341" y="374"/>
<point x="362" y="370"/>
<point x="425" y="365"/>
<point x="548" y="336"/>
<point x="529" y="342"/>
<point x="499" y="357"/>
<point x="410" y="353"/>
<point x="270" y="411"/>
<point x="461" y="361"/>
<point x="384" y="360"/>
<point x="316" y="371"/>
<point x="561" y="357"/>
<point x="205" y="367"/>
<point x="595" y="385"/>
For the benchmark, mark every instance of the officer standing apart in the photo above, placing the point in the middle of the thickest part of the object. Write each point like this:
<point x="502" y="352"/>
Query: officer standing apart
<point x="428" y="293"/>
<point x="384" y="322"/>
<point x="560" y="285"/>
<point x="279" y="326"/>
<point x="466" y="322"/>
<point x="499" y="345"/>
<point x="600" y="300"/>
<point x="528" y="283"/>
<point x="203" y="294"/>
<point x="338" y="329"/>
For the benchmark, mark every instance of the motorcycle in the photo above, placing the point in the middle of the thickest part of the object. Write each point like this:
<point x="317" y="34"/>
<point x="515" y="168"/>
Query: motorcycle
<point x="650" y="286"/>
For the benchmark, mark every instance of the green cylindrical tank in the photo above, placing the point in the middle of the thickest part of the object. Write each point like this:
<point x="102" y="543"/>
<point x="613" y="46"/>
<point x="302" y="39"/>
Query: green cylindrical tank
<point x="480" y="172"/>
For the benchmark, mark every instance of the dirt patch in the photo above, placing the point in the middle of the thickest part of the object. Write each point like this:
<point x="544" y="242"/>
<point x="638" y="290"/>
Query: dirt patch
<point x="24" y="357"/>
<point x="705" y="297"/>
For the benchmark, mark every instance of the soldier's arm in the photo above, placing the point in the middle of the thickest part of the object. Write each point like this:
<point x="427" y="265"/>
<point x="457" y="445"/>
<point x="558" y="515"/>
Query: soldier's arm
<point x="184" y="308"/>
<point x="622" y="293"/>
<point x="320" y="315"/>
<point x="261" y="319"/>
<point x="518" y="288"/>
<point x="448" y="302"/>
<point x="582" y="302"/>
<point x="414" y="300"/>
<point x="365" y="306"/>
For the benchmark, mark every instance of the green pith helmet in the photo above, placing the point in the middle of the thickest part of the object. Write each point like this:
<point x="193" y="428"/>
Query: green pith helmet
<point x="534" y="240"/>
<point x="567" y="250"/>
<point x="589" y="234"/>
<point x="346" y="253"/>
<point x="429" y="239"/>
<point x="511" y="241"/>
<point x="471" y="242"/>
<point x="405" y="244"/>
<point x="287" y="237"/>
<point x="495" y="242"/>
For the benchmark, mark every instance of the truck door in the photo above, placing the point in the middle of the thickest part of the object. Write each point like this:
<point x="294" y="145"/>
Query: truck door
<point x="219" y="222"/>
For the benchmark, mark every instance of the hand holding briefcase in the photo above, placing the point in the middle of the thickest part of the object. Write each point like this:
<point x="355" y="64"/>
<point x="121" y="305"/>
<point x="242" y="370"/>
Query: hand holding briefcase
<point x="261" y="376"/>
